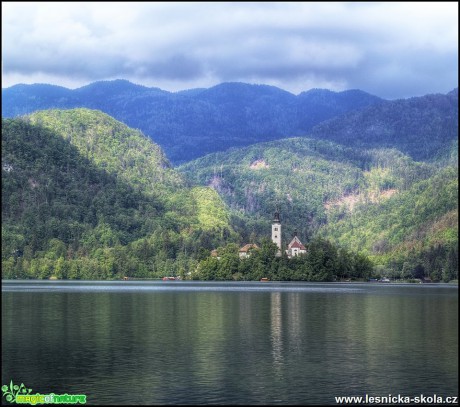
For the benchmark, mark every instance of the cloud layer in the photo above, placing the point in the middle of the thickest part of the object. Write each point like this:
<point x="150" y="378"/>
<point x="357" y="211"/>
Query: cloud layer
<point x="392" y="49"/>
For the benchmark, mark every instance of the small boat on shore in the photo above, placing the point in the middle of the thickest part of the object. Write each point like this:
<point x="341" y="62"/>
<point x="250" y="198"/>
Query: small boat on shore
<point x="264" y="279"/>
<point x="170" y="278"/>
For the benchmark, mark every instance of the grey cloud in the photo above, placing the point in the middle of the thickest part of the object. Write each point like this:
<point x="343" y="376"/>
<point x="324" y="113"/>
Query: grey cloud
<point x="291" y="45"/>
<point x="178" y="66"/>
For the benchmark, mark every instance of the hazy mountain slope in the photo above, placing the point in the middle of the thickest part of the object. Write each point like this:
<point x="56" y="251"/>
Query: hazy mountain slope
<point x="22" y="99"/>
<point x="192" y="123"/>
<point x="322" y="104"/>
<point x="422" y="127"/>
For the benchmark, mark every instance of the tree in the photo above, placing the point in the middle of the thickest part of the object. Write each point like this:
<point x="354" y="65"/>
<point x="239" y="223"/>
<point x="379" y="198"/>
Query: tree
<point x="207" y="269"/>
<point x="362" y="267"/>
<point x="228" y="263"/>
<point x="322" y="257"/>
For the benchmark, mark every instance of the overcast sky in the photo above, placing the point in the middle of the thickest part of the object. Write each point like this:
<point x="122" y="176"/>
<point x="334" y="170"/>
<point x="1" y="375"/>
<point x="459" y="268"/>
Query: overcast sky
<point x="390" y="49"/>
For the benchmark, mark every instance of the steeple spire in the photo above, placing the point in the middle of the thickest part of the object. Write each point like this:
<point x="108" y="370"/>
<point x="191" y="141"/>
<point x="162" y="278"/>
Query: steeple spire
<point x="276" y="217"/>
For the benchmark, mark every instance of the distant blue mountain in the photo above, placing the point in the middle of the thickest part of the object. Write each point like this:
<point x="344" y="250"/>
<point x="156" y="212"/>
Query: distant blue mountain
<point x="190" y="124"/>
<point x="424" y="127"/>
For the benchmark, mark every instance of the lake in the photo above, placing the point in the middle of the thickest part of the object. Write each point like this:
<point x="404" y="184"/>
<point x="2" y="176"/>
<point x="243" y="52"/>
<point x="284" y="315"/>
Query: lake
<point x="174" y="342"/>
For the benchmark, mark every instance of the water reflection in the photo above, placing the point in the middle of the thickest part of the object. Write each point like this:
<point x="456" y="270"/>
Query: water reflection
<point x="241" y="344"/>
<point x="294" y="319"/>
<point x="276" y="332"/>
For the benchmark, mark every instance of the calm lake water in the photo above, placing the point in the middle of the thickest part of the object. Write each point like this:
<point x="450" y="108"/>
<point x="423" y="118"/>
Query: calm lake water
<point x="143" y="342"/>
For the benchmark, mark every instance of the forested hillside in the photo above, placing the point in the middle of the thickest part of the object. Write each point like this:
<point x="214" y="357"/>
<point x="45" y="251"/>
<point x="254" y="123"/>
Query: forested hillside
<point x="84" y="196"/>
<point x="193" y="123"/>
<point x="413" y="233"/>
<point x="379" y="202"/>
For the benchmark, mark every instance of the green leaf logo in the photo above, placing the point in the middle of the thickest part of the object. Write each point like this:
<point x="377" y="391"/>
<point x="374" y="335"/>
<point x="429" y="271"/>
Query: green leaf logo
<point x="11" y="391"/>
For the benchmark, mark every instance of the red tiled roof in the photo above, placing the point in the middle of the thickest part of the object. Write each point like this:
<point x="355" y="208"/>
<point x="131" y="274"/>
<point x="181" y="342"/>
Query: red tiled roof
<point x="297" y="245"/>
<point x="248" y="247"/>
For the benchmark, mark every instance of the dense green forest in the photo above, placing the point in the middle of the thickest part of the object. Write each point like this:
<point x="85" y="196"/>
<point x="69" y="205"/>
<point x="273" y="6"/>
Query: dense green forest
<point x="323" y="261"/>
<point x="371" y="192"/>
<point x="86" y="197"/>
<point x="400" y="213"/>
<point x="381" y="181"/>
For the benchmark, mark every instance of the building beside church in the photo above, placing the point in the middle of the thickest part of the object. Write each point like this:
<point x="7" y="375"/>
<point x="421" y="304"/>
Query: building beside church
<point x="214" y="253"/>
<point x="246" y="250"/>
<point x="295" y="248"/>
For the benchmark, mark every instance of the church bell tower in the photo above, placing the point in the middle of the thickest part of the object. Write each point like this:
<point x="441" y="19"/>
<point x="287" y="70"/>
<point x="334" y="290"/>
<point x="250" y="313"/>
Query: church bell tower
<point x="276" y="232"/>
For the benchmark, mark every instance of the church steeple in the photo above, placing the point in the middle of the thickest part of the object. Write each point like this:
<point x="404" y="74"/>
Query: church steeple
<point x="276" y="231"/>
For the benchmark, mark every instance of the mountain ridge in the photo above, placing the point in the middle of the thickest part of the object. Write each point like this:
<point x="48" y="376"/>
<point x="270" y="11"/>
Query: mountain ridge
<point x="190" y="124"/>
<point x="421" y="127"/>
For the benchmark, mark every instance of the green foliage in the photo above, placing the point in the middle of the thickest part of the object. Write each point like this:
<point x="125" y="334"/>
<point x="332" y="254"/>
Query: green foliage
<point x="320" y="263"/>
<point x="379" y="203"/>
<point x="83" y="196"/>
<point x="112" y="146"/>
<point x="403" y="230"/>
<point x="212" y="212"/>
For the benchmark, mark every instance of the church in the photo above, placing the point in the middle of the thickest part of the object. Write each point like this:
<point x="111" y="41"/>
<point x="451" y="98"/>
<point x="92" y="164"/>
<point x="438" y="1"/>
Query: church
<point x="294" y="248"/>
